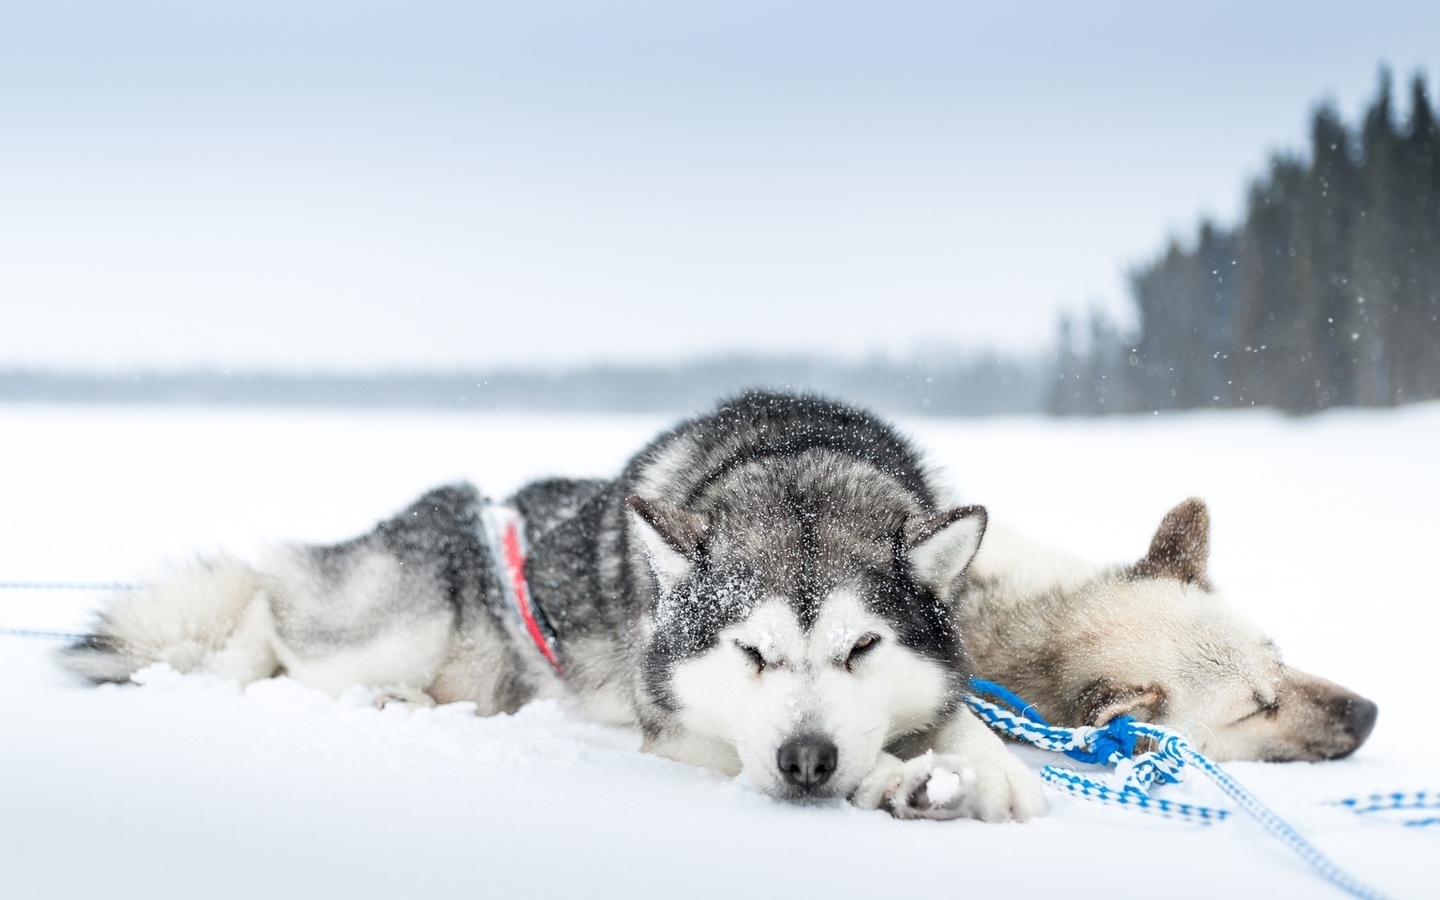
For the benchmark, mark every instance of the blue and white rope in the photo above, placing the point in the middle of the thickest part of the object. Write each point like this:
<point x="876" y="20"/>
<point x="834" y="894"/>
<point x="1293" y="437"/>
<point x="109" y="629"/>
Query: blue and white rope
<point x="1114" y="743"/>
<point x="1398" y="800"/>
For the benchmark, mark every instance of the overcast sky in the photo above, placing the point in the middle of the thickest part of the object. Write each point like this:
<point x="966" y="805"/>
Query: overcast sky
<point x="351" y="185"/>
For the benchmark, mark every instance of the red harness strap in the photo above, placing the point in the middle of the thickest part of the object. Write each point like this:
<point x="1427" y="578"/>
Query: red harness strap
<point x="515" y="565"/>
<point x="504" y="525"/>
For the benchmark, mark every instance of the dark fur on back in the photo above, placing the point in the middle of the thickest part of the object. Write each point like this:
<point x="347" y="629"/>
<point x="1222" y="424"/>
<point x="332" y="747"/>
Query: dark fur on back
<point x="437" y="540"/>
<point x="762" y="425"/>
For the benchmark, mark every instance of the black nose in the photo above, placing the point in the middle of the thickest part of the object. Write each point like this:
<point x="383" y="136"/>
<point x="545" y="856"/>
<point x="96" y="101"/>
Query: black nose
<point x="808" y="761"/>
<point x="1360" y="719"/>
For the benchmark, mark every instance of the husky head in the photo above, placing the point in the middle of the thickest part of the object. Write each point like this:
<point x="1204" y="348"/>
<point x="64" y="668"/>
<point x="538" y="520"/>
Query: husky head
<point x="1161" y="645"/>
<point x="797" y="636"/>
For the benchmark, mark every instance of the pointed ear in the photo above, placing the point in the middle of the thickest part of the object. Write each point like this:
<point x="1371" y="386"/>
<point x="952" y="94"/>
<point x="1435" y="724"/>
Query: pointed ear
<point x="1103" y="700"/>
<point x="941" y="546"/>
<point x="670" y="535"/>
<point x="1181" y="547"/>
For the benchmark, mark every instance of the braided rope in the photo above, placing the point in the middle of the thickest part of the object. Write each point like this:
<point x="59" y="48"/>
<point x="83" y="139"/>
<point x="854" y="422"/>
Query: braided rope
<point x="1272" y="823"/>
<point x="1397" y="800"/>
<point x="1080" y="786"/>
<point x="1164" y="764"/>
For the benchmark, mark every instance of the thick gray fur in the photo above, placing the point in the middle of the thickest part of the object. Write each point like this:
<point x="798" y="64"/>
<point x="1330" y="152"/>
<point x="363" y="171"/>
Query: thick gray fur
<point x="769" y="496"/>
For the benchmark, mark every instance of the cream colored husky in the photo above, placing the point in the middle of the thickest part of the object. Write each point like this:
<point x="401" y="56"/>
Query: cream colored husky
<point x="1154" y="640"/>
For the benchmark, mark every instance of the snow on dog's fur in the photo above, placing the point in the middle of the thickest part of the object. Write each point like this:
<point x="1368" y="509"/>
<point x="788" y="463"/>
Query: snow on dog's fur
<point x="1153" y="640"/>
<point x="770" y="589"/>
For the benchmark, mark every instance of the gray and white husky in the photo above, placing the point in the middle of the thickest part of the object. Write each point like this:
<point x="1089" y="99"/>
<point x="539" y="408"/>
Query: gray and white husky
<point x="769" y="589"/>
<point x="1154" y="640"/>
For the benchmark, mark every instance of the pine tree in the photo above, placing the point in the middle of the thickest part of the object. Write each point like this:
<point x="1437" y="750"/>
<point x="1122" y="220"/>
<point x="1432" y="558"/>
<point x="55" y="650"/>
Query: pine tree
<point x="1064" y="398"/>
<point x="1217" y="284"/>
<point x="1377" y="251"/>
<point x="1106" y="369"/>
<point x="1186" y="302"/>
<point x="1417" y="341"/>
<point x="1264" y="359"/>
<point x="1330" y="202"/>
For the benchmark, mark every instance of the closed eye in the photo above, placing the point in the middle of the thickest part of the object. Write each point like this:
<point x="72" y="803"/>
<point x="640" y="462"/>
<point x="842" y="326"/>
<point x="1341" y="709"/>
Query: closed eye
<point x="1263" y="707"/>
<point x="863" y="646"/>
<point x="756" y="659"/>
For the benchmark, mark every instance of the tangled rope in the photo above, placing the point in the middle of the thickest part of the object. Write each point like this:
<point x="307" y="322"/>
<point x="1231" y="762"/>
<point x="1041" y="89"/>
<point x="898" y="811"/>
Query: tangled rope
<point x="1114" y="744"/>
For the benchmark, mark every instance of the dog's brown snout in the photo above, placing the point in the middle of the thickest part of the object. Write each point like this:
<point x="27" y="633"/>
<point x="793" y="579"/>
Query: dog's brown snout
<point x="1360" y="718"/>
<point x="1352" y="718"/>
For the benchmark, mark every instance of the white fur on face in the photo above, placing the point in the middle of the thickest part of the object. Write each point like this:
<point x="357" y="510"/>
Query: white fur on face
<point x="1217" y="670"/>
<point x="1229" y="691"/>
<point x="806" y="688"/>
<point x="1231" y="672"/>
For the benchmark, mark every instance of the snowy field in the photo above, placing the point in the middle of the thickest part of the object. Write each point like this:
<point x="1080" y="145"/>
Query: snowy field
<point x="1325" y="529"/>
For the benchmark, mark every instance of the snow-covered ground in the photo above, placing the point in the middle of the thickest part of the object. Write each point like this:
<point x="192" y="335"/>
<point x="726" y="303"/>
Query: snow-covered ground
<point x="1324" y="528"/>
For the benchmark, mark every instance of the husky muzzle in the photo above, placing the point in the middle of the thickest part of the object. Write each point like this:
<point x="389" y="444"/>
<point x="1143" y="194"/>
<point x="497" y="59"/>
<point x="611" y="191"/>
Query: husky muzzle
<point x="807" y="762"/>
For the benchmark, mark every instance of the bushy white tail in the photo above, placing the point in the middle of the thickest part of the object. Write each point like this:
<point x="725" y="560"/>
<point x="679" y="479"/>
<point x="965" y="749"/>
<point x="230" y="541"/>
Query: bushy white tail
<point x="210" y="615"/>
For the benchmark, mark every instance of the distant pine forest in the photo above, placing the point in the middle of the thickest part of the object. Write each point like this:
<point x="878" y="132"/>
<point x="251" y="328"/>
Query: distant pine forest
<point x="1326" y="294"/>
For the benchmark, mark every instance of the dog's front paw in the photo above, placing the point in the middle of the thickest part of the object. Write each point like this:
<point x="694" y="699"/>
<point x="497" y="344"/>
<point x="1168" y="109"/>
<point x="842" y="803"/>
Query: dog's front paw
<point x="1003" y="789"/>
<point x="881" y="784"/>
<point x="926" y="787"/>
<point x="950" y="787"/>
<point x="934" y="787"/>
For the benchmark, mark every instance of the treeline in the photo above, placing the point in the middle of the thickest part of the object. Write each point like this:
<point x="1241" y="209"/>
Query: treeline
<point x="1327" y="294"/>
<point x="938" y="384"/>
